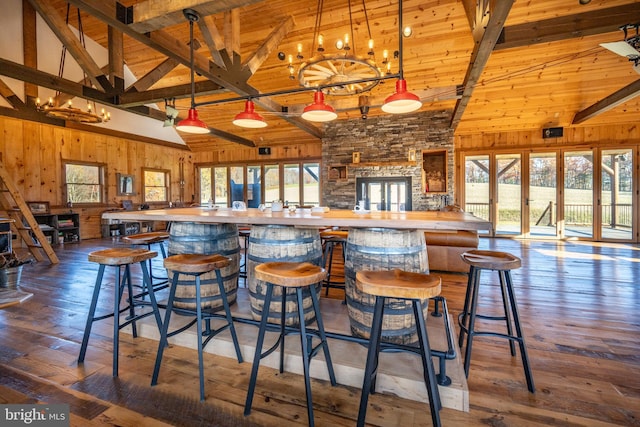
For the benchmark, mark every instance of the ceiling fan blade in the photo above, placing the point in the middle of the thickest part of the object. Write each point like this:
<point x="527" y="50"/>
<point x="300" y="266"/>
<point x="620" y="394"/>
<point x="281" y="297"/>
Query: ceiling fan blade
<point x="622" y="49"/>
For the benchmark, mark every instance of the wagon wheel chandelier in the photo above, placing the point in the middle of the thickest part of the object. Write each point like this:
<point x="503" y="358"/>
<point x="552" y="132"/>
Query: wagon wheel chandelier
<point x="68" y="112"/>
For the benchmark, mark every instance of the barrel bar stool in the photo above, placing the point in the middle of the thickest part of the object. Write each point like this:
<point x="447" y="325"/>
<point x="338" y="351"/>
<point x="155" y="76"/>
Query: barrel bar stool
<point x="118" y="257"/>
<point x="503" y="263"/>
<point x="196" y="265"/>
<point x="399" y="284"/>
<point x="331" y="238"/>
<point x="296" y="275"/>
<point x="147" y="239"/>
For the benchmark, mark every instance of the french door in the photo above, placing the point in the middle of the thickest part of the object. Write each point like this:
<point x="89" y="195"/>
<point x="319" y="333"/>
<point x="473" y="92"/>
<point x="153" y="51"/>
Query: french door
<point x="589" y="194"/>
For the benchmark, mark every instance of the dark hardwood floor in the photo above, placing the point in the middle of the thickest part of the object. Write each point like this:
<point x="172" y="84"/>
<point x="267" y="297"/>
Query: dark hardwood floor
<point x="579" y="303"/>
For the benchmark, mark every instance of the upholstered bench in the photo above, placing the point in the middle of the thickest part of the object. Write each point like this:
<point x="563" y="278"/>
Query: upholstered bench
<point x="444" y="248"/>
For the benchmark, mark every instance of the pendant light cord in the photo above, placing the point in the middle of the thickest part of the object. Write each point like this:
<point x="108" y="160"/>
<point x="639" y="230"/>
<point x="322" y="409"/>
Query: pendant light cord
<point x="193" y="85"/>
<point x="400" y="71"/>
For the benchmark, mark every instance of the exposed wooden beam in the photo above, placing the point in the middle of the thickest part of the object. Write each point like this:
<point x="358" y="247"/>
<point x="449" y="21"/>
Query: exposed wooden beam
<point x="116" y="59"/>
<point x="29" y="48"/>
<point x="57" y="24"/>
<point x="568" y="27"/>
<point x="157" y="73"/>
<point x="40" y="78"/>
<point x="231" y="33"/>
<point x="619" y="97"/>
<point x="154" y="15"/>
<point x="10" y="96"/>
<point x="484" y="44"/>
<point x="212" y="39"/>
<point x="269" y="45"/>
<point x="232" y="79"/>
<point x="31" y="115"/>
<point x="477" y="12"/>
<point x="206" y="87"/>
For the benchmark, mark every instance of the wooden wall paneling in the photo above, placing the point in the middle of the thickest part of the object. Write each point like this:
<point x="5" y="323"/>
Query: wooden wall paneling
<point x="13" y="151"/>
<point x="116" y="163"/>
<point x="50" y="172"/>
<point x="31" y="155"/>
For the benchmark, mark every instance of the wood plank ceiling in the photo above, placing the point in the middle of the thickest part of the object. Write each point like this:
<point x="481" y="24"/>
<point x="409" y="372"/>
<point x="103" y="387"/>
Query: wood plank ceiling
<point x="496" y="65"/>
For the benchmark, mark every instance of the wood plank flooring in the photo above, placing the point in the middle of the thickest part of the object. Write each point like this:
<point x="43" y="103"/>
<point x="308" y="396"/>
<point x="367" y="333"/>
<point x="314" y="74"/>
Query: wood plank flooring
<point x="579" y="303"/>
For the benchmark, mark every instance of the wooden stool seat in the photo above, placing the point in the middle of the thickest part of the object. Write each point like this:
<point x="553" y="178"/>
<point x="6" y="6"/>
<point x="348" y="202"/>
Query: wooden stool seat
<point x="196" y="263"/>
<point x="290" y="274"/>
<point x="398" y="284"/>
<point x="146" y="238"/>
<point x="491" y="260"/>
<point x="334" y="234"/>
<point x="121" y="256"/>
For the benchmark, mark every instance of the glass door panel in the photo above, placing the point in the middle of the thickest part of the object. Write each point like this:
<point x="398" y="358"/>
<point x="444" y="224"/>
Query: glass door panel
<point x="292" y="184"/>
<point x="221" y="194"/>
<point x="311" y="184"/>
<point x="476" y="187"/>
<point x="206" y="186"/>
<point x="542" y="201"/>
<point x="617" y="194"/>
<point x="578" y="194"/>
<point x="271" y="183"/>
<point x="254" y="186"/>
<point x="236" y="173"/>
<point x="509" y="206"/>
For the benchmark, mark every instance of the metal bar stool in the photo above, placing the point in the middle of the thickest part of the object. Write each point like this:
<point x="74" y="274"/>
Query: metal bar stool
<point x="148" y="239"/>
<point x="195" y="265"/>
<point x="244" y="233"/>
<point x="119" y="257"/>
<point x="330" y="239"/>
<point x="503" y="263"/>
<point x="297" y="276"/>
<point x="398" y="284"/>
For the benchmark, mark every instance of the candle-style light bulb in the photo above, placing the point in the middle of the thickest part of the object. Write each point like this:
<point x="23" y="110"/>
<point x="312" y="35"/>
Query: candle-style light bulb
<point x="370" y="47"/>
<point x="69" y="103"/>
<point x="88" y="107"/>
<point x="50" y="102"/>
<point x="385" y="55"/>
<point x="339" y="44"/>
<point x="299" y="56"/>
<point x="320" y="43"/>
<point x="37" y="102"/>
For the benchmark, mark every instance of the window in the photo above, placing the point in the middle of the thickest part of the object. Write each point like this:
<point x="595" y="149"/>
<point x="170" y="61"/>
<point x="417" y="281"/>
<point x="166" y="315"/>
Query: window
<point x="84" y="182"/>
<point x="156" y="185"/>
<point x="294" y="183"/>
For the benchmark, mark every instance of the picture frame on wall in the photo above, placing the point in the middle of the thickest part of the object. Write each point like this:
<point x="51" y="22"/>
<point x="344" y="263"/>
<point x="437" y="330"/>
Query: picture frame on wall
<point x="38" y="208"/>
<point x="125" y="185"/>
<point x="434" y="171"/>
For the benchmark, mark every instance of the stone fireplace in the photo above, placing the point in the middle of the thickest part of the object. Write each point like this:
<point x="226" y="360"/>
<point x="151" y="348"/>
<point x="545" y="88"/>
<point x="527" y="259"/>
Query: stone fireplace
<point x="384" y="146"/>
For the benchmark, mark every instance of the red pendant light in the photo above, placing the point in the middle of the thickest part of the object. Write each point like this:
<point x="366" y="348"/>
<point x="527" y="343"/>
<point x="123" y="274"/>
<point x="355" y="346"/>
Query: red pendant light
<point x="319" y="111"/>
<point x="192" y="124"/>
<point x="249" y="118"/>
<point x="402" y="101"/>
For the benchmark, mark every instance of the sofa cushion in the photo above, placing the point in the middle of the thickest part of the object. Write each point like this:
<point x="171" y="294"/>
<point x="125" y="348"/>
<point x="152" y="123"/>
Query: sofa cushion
<point x="459" y="238"/>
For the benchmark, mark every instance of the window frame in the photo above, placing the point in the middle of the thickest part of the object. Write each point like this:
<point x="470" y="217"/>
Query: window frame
<point x="102" y="179"/>
<point x="167" y="186"/>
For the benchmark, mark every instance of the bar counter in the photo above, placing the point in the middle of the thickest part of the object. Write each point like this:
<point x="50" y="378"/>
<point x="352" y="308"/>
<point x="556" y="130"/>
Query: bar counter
<point x="420" y="220"/>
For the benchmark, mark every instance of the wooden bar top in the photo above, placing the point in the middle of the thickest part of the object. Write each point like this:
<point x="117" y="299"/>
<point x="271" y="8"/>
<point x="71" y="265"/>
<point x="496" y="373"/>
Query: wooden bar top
<point x="427" y="220"/>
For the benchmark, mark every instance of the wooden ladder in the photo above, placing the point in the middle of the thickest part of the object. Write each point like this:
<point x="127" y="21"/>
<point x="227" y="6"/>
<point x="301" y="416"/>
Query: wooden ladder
<point x="14" y="205"/>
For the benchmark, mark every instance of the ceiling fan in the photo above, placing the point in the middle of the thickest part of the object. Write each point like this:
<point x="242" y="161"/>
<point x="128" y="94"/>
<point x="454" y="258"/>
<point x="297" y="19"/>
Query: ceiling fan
<point x="629" y="47"/>
<point x="172" y="113"/>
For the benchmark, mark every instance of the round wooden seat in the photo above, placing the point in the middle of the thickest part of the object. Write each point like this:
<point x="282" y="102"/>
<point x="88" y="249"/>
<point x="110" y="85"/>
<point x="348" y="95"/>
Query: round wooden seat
<point x="244" y="231"/>
<point x="334" y="234"/>
<point x="196" y="263"/>
<point x="398" y="284"/>
<point x="146" y="238"/>
<point x="121" y="256"/>
<point x="290" y="274"/>
<point x="491" y="260"/>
